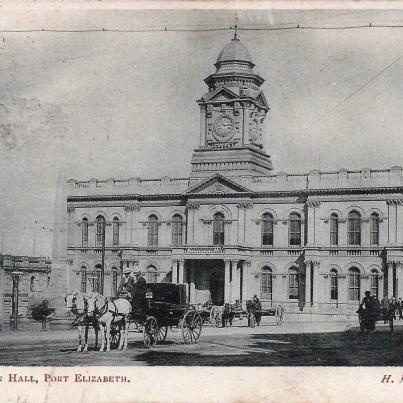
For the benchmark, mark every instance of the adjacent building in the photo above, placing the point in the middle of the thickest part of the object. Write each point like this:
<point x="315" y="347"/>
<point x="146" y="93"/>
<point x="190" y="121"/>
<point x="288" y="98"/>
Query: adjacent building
<point x="232" y="228"/>
<point x="33" y="277"/>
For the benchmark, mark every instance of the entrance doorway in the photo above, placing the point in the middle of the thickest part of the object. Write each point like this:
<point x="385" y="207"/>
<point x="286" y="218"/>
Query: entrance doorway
<point x="216" y="285"/>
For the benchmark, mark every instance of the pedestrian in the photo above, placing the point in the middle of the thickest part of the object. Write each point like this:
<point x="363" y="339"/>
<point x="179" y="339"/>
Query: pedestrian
<point x="399" y="307"/>
<point x="394" y="307"/>
<point x="385" y="308"/>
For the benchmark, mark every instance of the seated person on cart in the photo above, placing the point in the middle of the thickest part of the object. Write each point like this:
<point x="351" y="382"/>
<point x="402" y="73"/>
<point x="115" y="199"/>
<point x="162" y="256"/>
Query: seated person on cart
<point x="130" y="284"/>
<point x="368" y="312"/>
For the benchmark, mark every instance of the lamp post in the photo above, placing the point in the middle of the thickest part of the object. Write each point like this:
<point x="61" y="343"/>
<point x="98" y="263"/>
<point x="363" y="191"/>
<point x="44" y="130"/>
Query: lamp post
<point x="15" y="275"/>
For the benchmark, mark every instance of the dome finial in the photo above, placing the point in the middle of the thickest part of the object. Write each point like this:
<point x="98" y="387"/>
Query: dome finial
<point x="236" y="25"/>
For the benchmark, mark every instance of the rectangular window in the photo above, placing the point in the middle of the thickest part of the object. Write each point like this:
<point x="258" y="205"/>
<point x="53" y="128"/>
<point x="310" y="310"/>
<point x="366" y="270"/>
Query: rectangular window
<point x="374" y="285"/>
<point x="84" y="232"/>
<point x="293" y="285"/>
<point x="374" y="231"/>
<point x="334" y="231"/>
<point x="177" y="232"/>
<point x="153" y="233"/>
<point x="83" y="281"/>
<point x="115" y="229"/>
<point x="266" y="286"/>
<point x="295" y="233"/>
<point x="100" y="232"/>
<point x="114" y="281"/>
<point x="334" y="292"/>
<point x="354" y="231"/>
<point x="354" y="287"/>
<point x="218" y="232"/>
<point x="267" y="232"/>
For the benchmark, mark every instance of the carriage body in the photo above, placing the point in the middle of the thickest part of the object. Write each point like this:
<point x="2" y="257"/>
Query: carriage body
<point x="158" y="306"/>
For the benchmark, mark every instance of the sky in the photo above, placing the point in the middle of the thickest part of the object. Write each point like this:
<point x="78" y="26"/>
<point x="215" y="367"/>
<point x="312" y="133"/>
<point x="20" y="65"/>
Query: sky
<point x="118" y="104"/>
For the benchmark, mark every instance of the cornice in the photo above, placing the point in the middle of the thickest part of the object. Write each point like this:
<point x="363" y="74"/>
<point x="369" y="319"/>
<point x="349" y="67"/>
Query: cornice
<point x="273" y="194"/>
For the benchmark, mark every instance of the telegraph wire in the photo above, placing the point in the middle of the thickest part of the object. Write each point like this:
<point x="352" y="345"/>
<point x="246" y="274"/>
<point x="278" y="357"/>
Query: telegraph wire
<point x="354" y="92"/>
<point x="230" y="28"/>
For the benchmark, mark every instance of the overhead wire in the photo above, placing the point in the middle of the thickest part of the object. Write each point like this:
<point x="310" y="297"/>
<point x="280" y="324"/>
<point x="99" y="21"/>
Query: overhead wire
<point x="239" y="28"/>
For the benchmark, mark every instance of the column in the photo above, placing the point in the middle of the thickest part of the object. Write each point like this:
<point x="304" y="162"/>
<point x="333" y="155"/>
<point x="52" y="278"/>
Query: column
<point x="241" y="224"/>
<point x="72" y="227"/>
<point x="392" y="221"/>
<point x="191" y="210"/>
<point x="192" y="289"/>
<point x="308" y="280"/>
<point x="235" y="281"/>
<point x="227" y="236"/>
<point x="311" y="221"/>
<point x="245" y="280"/>
<point x="181" y="274"/>
<point x="316" y="284"/>
<point x="399" y="277"/>
<point x="227" y="284"/>
<point x="390" y="279"/>
<point x="174" y="271"/>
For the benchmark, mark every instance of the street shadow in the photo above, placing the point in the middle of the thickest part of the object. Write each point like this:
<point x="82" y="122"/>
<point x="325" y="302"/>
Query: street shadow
<point x="348" y="348"/>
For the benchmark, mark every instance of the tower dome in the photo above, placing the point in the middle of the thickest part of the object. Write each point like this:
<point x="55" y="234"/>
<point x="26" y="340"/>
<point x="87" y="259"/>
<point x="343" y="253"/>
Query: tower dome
<point x="234" y="58"/>
<point x="234" y="51"/>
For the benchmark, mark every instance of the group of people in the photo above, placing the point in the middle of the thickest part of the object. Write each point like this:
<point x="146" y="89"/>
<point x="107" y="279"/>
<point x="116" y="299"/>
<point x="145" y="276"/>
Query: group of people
<point x="371" y="309"/>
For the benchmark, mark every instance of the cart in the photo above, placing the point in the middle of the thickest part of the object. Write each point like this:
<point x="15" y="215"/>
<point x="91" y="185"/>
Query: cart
<point x="159" y="306"/>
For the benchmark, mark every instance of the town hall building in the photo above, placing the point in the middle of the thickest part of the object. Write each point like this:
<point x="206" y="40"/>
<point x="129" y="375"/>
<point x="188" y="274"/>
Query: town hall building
<point x="232" y="228"/>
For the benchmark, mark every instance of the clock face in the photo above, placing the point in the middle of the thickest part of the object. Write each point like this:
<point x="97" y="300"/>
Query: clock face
<point x="223" y="127"/>
<point x="254" y="130"/>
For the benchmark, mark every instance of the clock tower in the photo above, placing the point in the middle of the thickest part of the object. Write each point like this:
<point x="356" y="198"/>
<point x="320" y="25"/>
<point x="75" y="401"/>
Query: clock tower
<point x="232" y="115"/>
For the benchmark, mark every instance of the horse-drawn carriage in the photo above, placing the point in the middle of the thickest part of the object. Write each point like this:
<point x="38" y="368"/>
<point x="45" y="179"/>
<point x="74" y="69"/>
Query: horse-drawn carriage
<point x="159" y="306"/>
<point x="368" y="316"/>
<point x="220" y="316"/>
<point x="153" y="309"/>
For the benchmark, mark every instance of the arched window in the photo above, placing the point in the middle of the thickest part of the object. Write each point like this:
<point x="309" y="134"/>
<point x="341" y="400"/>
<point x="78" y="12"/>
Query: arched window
<point x="32" y="284"/>
<point x="293" y="283"/>
<point x="152" y="231"/>
<point x="84" y="232"/>
<point x="100" y="238"/>
<point x="267" y="229"/>
<point x="218" y="229"/>
<point x="83" y="283"/>
<point x="115" y="231"/>
<point x="334" y="285"/>
<point x="354" y="284"/>
<point x="354" y="228"/>
<point x="334" y="230"/>
<point x="97" y="274"/>
<point x="177" y="230"/>
<point x="374" y="283"/>
<point x="152" y="274"/>
<point x="266" y="284"/>
<point x="294" y="230"/>
<point x="374" y="229"/>
<point x="115" y="280"/>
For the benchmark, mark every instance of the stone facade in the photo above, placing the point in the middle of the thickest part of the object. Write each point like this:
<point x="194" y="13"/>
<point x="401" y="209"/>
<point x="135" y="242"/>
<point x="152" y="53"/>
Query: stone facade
<point x="33" y="285"/>
<point x="313" y="242"/>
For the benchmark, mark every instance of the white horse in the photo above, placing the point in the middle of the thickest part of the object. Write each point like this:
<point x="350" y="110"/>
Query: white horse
<point x="110" y="313"/>
<point x="77" y="305"/>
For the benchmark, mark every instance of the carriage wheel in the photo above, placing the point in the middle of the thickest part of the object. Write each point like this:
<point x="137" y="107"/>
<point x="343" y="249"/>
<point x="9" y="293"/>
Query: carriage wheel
<point x="216" y="316"/>
<point x="150" y="332"/>
<point x="114" y="337"/>
<point x="191" y="327"/>
<point x="279" y="315"/>
<point x="162" y="334"/>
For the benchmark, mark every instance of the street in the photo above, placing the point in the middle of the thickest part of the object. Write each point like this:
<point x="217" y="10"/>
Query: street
<point x="293" y="344"/>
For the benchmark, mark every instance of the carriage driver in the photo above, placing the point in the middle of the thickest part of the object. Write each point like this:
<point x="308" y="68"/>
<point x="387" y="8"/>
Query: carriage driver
<point x="128" y="283"/>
